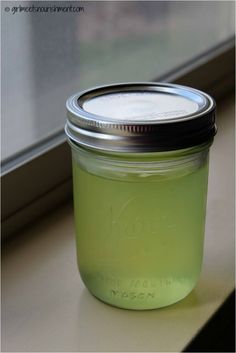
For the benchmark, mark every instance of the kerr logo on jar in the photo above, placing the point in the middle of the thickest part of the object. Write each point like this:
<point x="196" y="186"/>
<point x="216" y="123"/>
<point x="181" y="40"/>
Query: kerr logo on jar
<point x="144" y="219"/>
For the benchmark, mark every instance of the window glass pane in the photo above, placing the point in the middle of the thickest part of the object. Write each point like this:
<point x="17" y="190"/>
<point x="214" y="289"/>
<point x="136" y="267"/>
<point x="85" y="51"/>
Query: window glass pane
<point x="52" y="49"/>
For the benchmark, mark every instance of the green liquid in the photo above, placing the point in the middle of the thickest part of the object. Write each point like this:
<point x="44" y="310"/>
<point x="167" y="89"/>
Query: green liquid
<point x="139" y="243"/>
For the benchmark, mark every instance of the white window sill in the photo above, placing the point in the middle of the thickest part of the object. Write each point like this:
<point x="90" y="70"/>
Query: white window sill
<point x="45" y="306"/>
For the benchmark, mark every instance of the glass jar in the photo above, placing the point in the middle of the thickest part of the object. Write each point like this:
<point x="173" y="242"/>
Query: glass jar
<point x="140" y="207"/>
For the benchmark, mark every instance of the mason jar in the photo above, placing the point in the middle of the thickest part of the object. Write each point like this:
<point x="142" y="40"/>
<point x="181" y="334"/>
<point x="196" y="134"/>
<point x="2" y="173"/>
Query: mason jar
<point x="140" y="171"/>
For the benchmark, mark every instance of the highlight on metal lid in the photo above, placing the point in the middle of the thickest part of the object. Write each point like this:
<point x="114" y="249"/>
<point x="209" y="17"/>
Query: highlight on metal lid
<point x="140" y="117"/>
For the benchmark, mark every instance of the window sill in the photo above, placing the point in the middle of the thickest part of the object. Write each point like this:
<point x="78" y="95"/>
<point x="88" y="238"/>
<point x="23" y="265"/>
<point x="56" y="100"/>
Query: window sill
<point x="45" y="306"/>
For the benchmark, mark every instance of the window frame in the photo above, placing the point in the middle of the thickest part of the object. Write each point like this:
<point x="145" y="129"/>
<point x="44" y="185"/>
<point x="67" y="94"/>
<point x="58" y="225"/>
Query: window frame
<point x="23" y="201"/>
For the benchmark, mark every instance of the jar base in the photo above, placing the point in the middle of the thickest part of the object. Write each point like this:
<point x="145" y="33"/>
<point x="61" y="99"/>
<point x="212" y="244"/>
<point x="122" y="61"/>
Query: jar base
<point x="143" y="306"/>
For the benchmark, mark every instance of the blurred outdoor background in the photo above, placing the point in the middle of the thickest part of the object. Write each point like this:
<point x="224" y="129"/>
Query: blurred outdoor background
<point x="48" y="56"/>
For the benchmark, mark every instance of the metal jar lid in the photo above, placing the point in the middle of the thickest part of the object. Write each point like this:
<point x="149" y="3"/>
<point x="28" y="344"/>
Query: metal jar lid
<point x="140" y="117"/>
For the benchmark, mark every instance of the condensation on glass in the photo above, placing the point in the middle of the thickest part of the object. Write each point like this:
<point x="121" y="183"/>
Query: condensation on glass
<point x="140" y="170"/>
